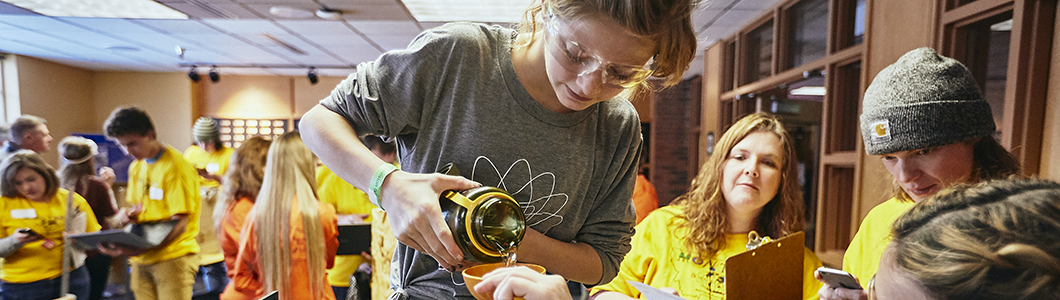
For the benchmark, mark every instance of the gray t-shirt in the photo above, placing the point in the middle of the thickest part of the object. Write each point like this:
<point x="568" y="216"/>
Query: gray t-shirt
<point x="453" y="96"/>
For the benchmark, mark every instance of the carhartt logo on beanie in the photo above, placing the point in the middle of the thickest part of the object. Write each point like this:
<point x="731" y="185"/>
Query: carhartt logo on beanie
<point x="206" y="130"/>
<point x="921" y="101"/>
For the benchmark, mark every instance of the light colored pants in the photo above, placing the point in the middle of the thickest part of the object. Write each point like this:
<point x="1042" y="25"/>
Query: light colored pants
<point x="169" y="279"/>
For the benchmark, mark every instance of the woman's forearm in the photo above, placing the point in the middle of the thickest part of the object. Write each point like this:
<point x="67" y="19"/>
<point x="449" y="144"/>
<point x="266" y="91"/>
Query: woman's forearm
<point x="574" y="261"/>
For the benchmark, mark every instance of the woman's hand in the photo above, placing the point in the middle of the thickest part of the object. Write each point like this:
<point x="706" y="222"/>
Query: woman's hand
<point x="126" y="215"/>
<point x="106" y="174"/>
<point x="507" y="283"/>
<point x="27" y="236"/>
<point x="411" y="203"/>
<point x="828" y="292"/>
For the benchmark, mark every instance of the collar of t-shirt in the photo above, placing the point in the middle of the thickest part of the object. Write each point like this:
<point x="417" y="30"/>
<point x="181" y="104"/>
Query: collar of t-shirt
<point x="157" y="157"/>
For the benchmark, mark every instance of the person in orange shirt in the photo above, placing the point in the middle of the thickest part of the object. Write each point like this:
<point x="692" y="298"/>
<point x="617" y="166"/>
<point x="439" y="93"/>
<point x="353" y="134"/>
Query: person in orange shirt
<point x="645" y="200"/>
<point x="289" y="239"/>
<point x="240" y="189"/>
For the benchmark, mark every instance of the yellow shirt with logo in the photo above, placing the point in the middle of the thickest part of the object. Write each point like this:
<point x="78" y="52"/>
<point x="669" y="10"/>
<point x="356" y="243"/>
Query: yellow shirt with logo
<point x="347" y="200"/>
<point x="862" y="257"/>
<point x="215" y="163"/>
<point x="41" y="259"/>
<point x="660" y="258"/>
<point x="166" y="187"/>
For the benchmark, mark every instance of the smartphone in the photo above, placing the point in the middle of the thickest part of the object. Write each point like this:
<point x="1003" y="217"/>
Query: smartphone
<point x="838" y="278"/>
<point x="28" y="231"/>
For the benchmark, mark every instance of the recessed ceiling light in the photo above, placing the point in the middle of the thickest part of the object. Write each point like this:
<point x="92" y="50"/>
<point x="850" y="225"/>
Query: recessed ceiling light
<point x="290" y="12"/>
<point x="497" y="11"/>
<point x="125" y="9"/>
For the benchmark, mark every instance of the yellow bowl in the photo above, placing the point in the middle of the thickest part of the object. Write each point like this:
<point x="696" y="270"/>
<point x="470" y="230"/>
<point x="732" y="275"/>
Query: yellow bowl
<point x="473" y="275"/>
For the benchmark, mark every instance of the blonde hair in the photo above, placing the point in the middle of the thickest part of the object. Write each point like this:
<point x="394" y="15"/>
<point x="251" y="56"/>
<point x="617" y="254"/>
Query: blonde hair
<point x="704" y="204"/>
<point x="994" y="240"/>
<point x="666" y="21"/>
<point x="289" y="176"/>
<point x="75" y="155"/>
<point x="244" y="176"/>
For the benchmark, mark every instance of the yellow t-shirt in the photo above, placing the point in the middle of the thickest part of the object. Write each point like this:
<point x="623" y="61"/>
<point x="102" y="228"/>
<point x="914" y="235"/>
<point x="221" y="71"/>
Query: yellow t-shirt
<point x="347" y="200"/>
<point x="660" y="258"/>
<point x="215" y="163"/>
<point x="862" y="257"/>
<point x="166" y="187"/>
<point x="34" y="261"/>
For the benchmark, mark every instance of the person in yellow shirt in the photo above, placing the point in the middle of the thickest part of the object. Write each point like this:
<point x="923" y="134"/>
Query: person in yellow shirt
<point x="749" y="185"/>
<point x="210" y="158"/>
<point x="353" y="207"/>
<point x="34" y="214"/>
<point x="925" y="143"/>
<point x="162" y="187"/>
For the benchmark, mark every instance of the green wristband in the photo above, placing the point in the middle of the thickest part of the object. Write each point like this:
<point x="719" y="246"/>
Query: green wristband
<point x="377" y="182"/>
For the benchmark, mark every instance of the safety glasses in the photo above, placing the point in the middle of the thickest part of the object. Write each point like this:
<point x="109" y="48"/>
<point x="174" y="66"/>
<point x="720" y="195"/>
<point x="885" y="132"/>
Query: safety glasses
<point x="576" y="59"/>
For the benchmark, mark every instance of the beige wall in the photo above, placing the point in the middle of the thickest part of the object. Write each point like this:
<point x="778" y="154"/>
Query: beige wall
<point x="266" y="97"/>
<point x="58" y="93"/>
<point x="165" y="96"/>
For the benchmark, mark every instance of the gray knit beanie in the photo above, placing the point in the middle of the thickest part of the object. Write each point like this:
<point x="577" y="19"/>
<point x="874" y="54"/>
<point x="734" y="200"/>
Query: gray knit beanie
<point x="206" y="130"/>
<point x="923" y="100"/>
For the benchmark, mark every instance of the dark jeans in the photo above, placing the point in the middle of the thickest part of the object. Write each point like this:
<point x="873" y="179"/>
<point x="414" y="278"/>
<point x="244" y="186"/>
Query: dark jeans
<point x="98" y="269"/>
<point x="47" y="289"/>
<point x="210" y="281"/>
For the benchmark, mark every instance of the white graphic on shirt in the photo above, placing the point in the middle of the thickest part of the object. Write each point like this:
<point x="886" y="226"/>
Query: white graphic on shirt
<point x="538" y="209"/>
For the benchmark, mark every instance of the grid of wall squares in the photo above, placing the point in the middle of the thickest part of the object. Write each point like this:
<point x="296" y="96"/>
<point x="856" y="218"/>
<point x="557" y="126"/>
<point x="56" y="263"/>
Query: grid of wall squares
<point x="235" y="131"/>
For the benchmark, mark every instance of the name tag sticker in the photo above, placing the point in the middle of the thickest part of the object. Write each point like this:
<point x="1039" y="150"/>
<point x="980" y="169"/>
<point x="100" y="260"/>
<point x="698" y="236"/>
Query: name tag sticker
<point x="155" y="193"/>
<point x="27" y="213"/>
<point x="213" y="168"/>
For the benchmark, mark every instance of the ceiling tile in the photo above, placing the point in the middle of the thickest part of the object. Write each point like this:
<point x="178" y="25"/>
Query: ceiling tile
<point x="178" y="26"/>
<point x="392" y="43"/>
<point x="317" y="27"/>
<point x="372" y="28"/>
<point x="39" y="23"/>
<point x="351" y="40"/>
<point x="211" y="41"/>
<point x="247" y="26"/>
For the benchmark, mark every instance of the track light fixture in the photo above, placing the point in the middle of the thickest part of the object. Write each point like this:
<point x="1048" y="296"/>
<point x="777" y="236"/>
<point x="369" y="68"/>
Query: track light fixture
<point x="312" y="75"/>
<point x="213" y="74"/>
<point x="194" y="74"/>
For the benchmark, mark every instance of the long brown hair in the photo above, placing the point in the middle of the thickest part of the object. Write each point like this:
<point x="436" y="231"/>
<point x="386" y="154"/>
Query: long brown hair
<point x="703" y="205"/>
<point x="289" y="175"/>
<point x="245" y="173"/>
<point x="665" y="21"/>
<point x="27" y="159"/>
<point x="993" y="240"/>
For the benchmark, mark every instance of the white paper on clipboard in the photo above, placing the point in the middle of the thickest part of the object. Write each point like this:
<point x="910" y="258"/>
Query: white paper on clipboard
<point x="652" y="293"/>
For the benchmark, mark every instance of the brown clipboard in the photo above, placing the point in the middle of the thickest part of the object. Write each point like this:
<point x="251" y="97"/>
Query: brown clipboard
<point x="771" y="271"/>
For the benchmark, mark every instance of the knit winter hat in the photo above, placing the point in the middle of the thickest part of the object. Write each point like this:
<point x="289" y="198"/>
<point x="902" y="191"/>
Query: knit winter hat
<point x="206" y="130"/>
<point x="921" y="101"/>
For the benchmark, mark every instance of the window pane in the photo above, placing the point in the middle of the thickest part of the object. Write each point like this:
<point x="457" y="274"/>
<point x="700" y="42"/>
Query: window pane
<point x="729" y="73"/>
<point x="808" y="39"/>
<point x="850" y="23"/>
<point x="989" y="64"/>
<point x="859" y="22"/>
<point x="759" y="52"/>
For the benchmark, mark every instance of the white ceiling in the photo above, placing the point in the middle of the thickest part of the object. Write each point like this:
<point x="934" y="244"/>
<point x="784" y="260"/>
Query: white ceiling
<point x="232" y="32"/>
